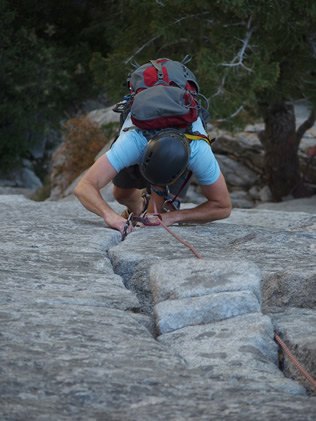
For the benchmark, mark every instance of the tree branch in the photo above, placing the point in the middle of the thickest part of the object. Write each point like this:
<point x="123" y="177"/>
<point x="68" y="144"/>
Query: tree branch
<point x="159" y="35"/>
<point x="220" y="89"/>
<point x="170" y="44"/>
<point x="231" y="116"/>
<point x="187" y="17"/>
<point x="142" y="47"/>
<point x="312" y="42"/>
<point x="305" y="126"/>
<point x="242" y="52"/>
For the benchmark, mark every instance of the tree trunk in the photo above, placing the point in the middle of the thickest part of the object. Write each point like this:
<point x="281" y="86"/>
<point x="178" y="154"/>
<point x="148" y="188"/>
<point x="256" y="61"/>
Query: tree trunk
<point x="280" y="142"/>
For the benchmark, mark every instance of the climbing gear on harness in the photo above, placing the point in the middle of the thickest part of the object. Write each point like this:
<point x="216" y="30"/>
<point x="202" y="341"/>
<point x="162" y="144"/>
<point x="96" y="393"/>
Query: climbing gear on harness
<point x="165" y="193"/>
<point x="165" y="157"/>
<point x="128" y="222"/>
<point x="146" y="196"/>
<point x="134" y="220"/>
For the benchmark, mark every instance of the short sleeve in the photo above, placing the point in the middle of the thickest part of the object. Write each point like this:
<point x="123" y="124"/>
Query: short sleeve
<point x="127" y="149"/>
<point x="203" y="163"/>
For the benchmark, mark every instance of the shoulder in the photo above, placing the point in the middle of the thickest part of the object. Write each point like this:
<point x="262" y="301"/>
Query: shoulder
<point x="130" y="135"/>
<point x="127" y="149"/>
<point x="200" y="147"/>
<point x="197" y="126"/>
<point x="203" y="162"/>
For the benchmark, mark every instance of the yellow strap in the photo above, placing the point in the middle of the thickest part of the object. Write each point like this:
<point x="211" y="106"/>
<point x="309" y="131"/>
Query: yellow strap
<point x="197" y="137"/>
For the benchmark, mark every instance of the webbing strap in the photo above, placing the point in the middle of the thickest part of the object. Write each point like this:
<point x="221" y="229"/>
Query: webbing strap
<point x="200" y="137"/>
<point x="158" y="67"/>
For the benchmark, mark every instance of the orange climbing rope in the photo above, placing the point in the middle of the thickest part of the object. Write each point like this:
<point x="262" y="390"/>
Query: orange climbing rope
<point x="177" y="237"/>
<point x="294" y="360"/>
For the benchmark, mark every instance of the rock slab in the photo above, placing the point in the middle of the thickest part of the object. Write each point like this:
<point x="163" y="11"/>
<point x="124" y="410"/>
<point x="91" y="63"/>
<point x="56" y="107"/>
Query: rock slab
<point x="74" y="342"/>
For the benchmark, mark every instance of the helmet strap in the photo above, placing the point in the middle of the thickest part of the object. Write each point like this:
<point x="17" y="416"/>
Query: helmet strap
<point x="165" y="193"/>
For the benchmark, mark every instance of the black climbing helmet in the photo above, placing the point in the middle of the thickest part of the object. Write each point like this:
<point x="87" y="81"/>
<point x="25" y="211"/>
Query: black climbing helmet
<point x="165" y="157"/>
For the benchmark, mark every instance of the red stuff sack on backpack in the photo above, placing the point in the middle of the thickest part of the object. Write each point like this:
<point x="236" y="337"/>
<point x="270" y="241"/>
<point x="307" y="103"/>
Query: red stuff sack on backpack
<point x="163" y="106"/>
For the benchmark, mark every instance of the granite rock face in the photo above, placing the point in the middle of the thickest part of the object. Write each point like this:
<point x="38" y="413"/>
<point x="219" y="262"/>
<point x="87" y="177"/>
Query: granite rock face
<point x="81" y="315"/>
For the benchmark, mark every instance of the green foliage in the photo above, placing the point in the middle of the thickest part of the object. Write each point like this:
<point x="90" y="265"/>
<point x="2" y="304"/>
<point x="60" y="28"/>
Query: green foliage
<point x="244" y="52"/>
<point x="41" y="71"/>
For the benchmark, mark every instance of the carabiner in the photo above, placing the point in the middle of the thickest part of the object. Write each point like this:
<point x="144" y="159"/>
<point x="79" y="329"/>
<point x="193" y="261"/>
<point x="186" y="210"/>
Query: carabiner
<point x="174" y="203"/>
<point x="128" y="222"/>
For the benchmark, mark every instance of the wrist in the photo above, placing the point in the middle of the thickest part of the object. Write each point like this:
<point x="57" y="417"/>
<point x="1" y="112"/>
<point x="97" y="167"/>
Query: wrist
<point x="171" y="217"/>
<point x="111" y="218"/>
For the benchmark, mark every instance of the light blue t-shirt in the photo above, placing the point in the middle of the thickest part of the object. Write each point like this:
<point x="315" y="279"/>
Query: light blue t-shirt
<point x="129" y="147"/>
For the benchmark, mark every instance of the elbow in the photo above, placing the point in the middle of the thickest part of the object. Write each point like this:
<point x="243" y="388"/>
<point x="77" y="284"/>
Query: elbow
<point x="78" y="191"/>
<point x="226" y="211"/>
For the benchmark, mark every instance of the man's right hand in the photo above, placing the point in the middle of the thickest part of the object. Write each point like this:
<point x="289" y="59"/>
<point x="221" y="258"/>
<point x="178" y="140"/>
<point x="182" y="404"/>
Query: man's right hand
<point x="121" y="224"/>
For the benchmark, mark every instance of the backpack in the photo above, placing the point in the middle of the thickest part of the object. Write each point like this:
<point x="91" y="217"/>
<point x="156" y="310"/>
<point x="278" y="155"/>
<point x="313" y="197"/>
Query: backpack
<point x="163" y="93"/>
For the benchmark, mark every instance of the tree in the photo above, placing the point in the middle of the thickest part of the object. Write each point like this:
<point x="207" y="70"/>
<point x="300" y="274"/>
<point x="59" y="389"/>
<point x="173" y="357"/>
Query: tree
<point x="45" y="50"/>
<point x="252" y="58"/>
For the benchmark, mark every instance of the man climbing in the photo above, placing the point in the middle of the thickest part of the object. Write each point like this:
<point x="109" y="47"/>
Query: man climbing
<point x="161" y="140"/>
<point x="125" y="164"/>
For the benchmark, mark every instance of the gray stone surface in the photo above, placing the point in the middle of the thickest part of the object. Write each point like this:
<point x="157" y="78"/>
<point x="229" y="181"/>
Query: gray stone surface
<point x="198" y="291"/>
<point x="294" y="205"/>
<point x="290" y="288"/>
<point x="280" y="252"/>
<point x="104" y="116"/>
<point x="245" y="145"/>
<point x="272" y="250"/>
<point x="236" y="173"/>
<point x="23" y="177"/>
<point x="195" y="277"/>
<point x="174" y="314"/>
<point x="274" y="219"/>
<point x="238" y="349"/>
<point x="74" y="344"/>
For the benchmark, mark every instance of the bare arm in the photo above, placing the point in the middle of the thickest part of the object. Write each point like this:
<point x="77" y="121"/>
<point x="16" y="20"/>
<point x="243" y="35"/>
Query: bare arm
<point x="217" y="206"/>
<point x="88" y="192"/>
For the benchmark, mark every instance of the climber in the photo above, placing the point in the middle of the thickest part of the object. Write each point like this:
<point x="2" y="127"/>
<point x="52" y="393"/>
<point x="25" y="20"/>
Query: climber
<point x="134" y="163"/>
